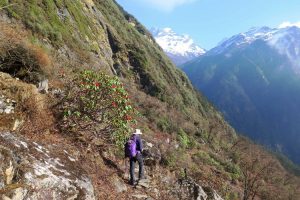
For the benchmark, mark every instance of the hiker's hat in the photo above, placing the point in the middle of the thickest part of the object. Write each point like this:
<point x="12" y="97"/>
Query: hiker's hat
<point x="137" y="132"/>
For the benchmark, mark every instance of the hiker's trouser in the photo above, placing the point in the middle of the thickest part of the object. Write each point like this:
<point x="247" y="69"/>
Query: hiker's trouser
<point x="138" y="158"/>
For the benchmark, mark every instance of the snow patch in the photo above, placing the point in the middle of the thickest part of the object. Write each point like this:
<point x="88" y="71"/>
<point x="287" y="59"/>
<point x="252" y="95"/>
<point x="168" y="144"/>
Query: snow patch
<point x="289" y="24"/>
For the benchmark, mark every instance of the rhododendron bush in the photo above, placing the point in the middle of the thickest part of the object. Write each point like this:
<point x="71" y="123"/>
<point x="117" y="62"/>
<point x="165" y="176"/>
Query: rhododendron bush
<point x="99" y="104"/>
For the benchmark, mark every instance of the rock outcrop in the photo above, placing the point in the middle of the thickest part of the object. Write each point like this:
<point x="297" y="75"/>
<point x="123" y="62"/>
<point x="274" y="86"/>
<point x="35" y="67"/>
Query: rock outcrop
<point x="152" y="155"/>
<point x="6" y="105"/>
<point x="29" y="170"/>
<point x="189" y="189"/>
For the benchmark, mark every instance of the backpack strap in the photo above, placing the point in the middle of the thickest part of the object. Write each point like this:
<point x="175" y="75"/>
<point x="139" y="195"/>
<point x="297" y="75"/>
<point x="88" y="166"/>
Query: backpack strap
<point x="133" y="137"/>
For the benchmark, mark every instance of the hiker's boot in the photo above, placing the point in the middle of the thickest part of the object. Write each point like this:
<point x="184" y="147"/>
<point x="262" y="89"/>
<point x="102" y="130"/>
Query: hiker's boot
<point x="132" y="182"/>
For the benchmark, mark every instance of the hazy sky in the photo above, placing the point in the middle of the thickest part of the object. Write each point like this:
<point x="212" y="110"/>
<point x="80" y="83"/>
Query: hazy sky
<point x="210" y="21"/>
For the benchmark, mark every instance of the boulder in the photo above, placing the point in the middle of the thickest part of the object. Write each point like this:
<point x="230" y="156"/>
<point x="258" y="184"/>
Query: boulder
<point x="145" y="183"/>
<point x="212" y="194"/>
<point x="151" y="154"/>
<point x="189" y="189"/>
<point x="43" y="86"/>
<point x="119" y="185"/>
<point x="29" y="170"/>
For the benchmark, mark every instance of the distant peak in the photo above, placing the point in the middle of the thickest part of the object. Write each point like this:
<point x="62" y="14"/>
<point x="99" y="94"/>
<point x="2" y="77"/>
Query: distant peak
<point x="176" y="45"/>
<point x="167" y="29"/>
<point x="260" y="28"/>
<point x="263" y="33"/>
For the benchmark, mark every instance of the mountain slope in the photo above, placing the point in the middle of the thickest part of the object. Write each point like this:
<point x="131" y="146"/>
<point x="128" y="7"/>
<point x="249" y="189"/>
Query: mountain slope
<point x="187" y="142"/>
<point x="253" y="79"/>
<point x="179" y="48"/>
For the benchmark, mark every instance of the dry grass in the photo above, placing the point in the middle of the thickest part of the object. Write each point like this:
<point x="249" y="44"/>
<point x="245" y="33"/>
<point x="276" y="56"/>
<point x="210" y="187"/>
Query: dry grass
<point x="38" y="117"/>
<point x="19" y="57"/>
<point x="31" y="64"/>
<point x="31" y="106"/>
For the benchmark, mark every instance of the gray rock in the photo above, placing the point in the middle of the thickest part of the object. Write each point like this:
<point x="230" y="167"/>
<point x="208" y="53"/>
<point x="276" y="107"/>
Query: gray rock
<point x="216" y="196"/>
<point x="148" y="144"/>
<point x="57" y="92"/>
<point x="189" y="189"/>
<point x="144" y="183"/>
<point x="38" y="173"/>
<point x="212" y="194"/>
<point x="43" y="86"/>
<point x="7" y="110"/>
<point x="120" y="186"/>
<point x="17" y="124"/>
<point x="63" y="13"/>
<point x="19" y="194"/>
<point x="9" y="173"/>
<point x="152" y="155"/>
<point x="6" y="105"/>
<point x="2" y="105"/>
<point x="140" y="196"/>
<point x="155" y="191"/>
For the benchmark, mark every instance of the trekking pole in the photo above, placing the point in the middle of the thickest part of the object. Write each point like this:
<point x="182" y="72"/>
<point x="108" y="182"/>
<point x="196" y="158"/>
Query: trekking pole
<point x="125" y="168"/>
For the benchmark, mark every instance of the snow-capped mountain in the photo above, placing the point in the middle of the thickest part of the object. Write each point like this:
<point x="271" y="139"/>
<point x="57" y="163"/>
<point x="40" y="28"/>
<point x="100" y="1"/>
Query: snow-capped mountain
<point x="286" y="40"/>
<point x="245" y="38"/>
<point x="180" y="48"/>
<point x="254" y="79"/>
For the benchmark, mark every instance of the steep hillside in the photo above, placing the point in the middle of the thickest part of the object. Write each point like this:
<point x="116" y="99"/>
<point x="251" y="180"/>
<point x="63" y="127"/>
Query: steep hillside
<point x="54" y="143"/>
<point x="253" y="78"/>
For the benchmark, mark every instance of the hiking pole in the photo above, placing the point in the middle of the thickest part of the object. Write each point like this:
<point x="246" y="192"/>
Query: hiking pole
<point x="125" y="168"/>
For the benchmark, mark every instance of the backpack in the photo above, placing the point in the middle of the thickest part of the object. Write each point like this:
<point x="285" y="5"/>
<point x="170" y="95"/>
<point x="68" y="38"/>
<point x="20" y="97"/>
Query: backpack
<point x="130" y="148"/>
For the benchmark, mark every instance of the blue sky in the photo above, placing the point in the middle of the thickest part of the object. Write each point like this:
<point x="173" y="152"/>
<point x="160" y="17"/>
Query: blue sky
<point x="210" y="21"/>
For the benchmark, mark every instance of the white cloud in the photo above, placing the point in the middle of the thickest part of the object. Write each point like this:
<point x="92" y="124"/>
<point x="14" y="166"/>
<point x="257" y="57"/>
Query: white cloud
<point x="289" y="24"/>
<point x="166" y="5"/>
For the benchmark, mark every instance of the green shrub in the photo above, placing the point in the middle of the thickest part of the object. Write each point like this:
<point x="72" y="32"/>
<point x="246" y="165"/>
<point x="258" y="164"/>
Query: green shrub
<point x="99" y="104"/>
<point x="183" y="138"/>
<point x="232" y="168"/>
<point x="166" y="124"/>
<point x="232" y="196"/>
<point x="228" y="166"/>
<point x="205" y="158"/>
<point x="169" y="159"/>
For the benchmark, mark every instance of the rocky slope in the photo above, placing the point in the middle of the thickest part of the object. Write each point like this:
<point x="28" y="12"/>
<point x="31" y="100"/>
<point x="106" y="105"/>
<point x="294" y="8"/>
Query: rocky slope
<point x="191" y="152"/>
<point x="33" y="171"/>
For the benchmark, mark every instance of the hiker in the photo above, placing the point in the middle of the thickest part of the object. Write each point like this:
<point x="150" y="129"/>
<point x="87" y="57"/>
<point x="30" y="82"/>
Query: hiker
<point x="133" y="150"/>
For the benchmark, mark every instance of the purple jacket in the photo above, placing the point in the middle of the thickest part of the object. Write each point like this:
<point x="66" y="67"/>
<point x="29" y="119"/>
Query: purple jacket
<point x="139" y="143"/>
